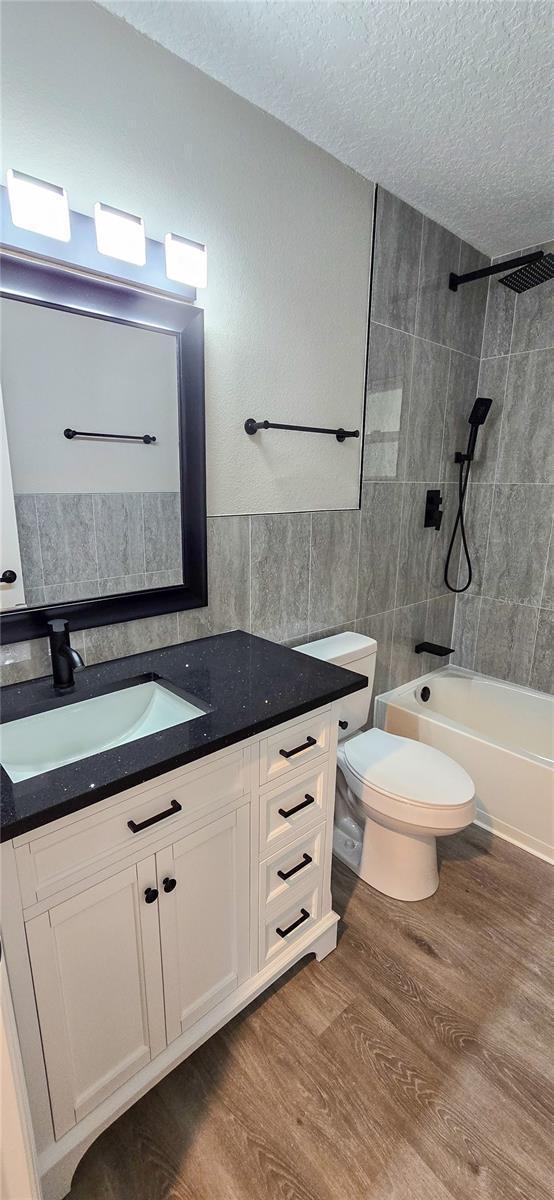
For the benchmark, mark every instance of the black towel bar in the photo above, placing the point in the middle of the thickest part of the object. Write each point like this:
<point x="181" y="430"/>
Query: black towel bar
<point x="147" y="438"/>
<point x="251" y="426"/>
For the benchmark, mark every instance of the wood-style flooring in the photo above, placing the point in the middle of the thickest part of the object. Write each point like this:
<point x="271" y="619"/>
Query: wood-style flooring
<point x="413" y="1063"/>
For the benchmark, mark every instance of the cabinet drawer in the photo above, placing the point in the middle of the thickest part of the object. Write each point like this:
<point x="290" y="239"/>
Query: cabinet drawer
<point x="286" y="811"/>
<point x="80" y="847"/>
<point x="295" y="866"/>
<point x="290" y="748"/>
<point x="291" y="922"/>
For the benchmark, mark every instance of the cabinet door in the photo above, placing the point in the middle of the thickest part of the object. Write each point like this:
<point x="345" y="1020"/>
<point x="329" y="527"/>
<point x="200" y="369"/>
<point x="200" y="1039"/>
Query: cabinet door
<point x="204" y="918"/>
<point x="97" y="975"/>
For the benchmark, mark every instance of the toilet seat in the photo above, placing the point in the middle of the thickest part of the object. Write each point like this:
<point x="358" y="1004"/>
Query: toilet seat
<point x="407" y="781"/>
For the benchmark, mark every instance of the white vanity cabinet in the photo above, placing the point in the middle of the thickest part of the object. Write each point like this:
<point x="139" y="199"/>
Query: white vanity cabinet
<point x="98" y="984"/>
<point x="136" y="927"/>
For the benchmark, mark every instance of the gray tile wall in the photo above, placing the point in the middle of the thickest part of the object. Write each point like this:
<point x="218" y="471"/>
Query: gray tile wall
<point x="295" y="576"/>
<point x="503" y="624"/>
<point x="75" y="546"/>
<point x="424" y="351"/>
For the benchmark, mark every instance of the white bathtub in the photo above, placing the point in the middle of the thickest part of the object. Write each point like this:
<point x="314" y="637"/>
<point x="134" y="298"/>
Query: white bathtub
<point x="502" y="734"/>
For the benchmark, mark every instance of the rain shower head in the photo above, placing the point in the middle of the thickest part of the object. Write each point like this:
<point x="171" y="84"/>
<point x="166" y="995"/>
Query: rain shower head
<point x="530" y="275"/>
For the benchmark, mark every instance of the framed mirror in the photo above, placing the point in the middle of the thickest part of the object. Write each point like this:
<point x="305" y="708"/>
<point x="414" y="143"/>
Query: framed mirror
<point x="103" y="450"/>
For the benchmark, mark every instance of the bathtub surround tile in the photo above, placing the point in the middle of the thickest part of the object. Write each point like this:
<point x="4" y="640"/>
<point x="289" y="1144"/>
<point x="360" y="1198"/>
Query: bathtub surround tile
<point x="441" y="540"/>
<point x="468" y="316"/>
<point x="462" y="391"/>
<point x="506" y="640"/>
<point x="479" y="500"/>
<point x="395" y="273"/>
<point x="542" y="669"/>
<point x="534" y="314"/>
<point x="130" y="637"/>
<point x="526" y="453"/>
<point x="119" y="529"/>
<point x="493" y="375"/>
<point x="280" y="546"/>
<point x="29" y="541"/>
<point x="162" y="531"/>
<point x="228" y="581"/>
<point x="431" y="365"/>
<point x="417" y="546"/>
<point x="389" y="378"/>
<point x="67" y="537"/>
<point x="501" y="303"/>
<point x="438" y="308"/>
<point x="333" y="567"/>
<point x="465" y="629"/>
<point x="409" y="628"/>
<point x="379" y="544"/>
<point x="518" y="543"/>
<point x="547" y="599"/>
<point x="438" y="629"/>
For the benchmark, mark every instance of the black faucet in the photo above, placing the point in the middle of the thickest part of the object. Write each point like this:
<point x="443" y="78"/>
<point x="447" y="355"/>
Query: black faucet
<point x="65" y="660"/>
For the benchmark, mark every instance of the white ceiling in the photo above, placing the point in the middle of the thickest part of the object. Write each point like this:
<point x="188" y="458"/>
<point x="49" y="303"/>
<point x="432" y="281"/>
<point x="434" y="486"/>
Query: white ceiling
<point x="445" y="102"/>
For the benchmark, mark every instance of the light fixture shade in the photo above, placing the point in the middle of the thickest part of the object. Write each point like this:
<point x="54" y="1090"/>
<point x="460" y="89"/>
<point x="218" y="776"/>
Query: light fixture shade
<point x="186" y="261"/>
<point x="120" y="234"/>
<point x="38" y="206"/>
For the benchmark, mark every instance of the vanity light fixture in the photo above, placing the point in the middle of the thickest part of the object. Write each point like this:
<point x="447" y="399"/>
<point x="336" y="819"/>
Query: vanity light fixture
<point x="120" y="234"/>
<point x="38" y="206"/>
<point x="186" y="261"/>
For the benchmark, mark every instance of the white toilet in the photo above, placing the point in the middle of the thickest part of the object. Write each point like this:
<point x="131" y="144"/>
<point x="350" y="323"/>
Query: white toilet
<point x="395" y="796"/>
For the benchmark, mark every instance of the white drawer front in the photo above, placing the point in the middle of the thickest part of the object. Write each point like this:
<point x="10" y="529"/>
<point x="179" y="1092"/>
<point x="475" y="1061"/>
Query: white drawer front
<point x="287" y="925"/>
<point x="81" y="847"/>
<point x="295" y="867"/>
<point x="291" y="748"/>
<point x="288" y="810"/>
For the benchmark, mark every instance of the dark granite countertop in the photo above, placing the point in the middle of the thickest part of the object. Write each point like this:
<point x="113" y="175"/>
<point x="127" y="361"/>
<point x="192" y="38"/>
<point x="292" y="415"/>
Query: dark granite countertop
<point x="248" y="683"/>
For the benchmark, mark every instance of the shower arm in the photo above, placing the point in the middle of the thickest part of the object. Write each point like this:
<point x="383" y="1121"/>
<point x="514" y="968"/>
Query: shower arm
<point x="455" y="281"/>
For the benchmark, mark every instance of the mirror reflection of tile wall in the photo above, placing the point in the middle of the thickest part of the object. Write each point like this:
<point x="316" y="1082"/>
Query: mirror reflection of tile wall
<point x="95" y="517"/>
<point x="77" y="546"/>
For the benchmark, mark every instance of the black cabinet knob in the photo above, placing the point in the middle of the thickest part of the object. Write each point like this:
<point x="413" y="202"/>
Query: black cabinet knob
<point x="150" y="895"/>
<point x="8" y="577"/>
<point x="169" y="884"/>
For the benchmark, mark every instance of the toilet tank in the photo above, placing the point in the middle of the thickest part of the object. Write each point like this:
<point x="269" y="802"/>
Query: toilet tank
<point x="357" y="653"/>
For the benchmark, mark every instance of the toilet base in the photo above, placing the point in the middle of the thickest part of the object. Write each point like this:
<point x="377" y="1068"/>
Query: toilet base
<point x="402" y="866"/>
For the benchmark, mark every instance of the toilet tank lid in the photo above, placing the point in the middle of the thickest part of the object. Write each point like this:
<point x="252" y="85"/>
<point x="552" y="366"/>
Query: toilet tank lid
<point x="340" y="649"/>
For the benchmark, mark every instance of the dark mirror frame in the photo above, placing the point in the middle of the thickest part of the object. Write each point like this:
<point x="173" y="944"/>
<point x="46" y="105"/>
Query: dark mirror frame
<point x="72" y="290"/>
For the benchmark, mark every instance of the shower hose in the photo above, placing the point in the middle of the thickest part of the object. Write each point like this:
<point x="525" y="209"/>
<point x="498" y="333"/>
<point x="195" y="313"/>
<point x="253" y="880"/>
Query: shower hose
<point x="463" y="480"/>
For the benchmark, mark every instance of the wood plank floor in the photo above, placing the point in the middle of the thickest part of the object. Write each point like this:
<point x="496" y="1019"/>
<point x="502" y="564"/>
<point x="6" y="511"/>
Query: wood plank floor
<point x="413" y="1063"/>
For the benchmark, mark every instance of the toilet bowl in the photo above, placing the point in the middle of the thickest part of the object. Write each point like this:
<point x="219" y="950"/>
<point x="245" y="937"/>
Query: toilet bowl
<point x="395" y="796"/>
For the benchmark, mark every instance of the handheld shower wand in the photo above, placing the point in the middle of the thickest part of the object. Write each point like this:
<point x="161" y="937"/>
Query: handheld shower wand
<point x="477" y="417"/>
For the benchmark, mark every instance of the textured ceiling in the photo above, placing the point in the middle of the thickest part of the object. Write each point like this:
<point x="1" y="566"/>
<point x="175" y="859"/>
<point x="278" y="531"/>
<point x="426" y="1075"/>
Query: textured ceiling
<point x="445" y="102"/>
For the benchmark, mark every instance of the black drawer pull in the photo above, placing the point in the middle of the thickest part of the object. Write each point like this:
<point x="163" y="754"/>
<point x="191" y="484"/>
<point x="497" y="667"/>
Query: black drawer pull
<point x="306" y="860"/>
<point x="175" y="808"/>
<point x="150" y="895"/>
<point x="298" y="749"/>
<point x="284" y="812"/>
<point x="305" y="916"/>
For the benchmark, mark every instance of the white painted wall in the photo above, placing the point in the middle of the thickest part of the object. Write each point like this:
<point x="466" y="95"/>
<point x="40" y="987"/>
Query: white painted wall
<point x="89" y="103"/>
<point x="62" y="370"/>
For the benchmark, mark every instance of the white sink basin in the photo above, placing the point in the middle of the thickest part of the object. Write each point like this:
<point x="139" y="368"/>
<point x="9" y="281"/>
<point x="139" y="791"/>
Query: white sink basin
<point x="48" y="740"/>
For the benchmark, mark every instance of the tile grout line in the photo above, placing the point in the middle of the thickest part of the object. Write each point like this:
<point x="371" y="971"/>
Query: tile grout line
<point x="545" y="572"/>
